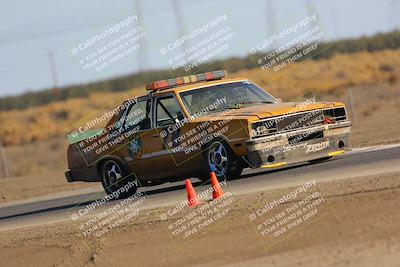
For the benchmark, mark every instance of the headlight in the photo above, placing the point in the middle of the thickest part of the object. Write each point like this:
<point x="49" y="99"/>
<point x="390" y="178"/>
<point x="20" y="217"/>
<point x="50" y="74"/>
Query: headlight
<point x="334" y="115"/>
<point x="263" y="128"/>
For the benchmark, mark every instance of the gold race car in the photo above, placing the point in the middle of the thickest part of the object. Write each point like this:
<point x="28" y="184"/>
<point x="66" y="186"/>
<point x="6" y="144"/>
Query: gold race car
<point x="188" y="126"/>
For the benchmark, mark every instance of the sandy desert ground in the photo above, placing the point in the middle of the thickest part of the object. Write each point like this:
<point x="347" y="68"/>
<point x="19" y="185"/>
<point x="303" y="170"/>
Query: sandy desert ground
<point x="357" y="225"/>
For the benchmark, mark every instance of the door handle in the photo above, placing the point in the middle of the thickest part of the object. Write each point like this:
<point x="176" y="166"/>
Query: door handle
<point x="156" y="135"/>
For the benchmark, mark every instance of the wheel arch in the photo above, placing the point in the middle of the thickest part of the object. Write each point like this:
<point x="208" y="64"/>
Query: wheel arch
<point x="222" y="138"/>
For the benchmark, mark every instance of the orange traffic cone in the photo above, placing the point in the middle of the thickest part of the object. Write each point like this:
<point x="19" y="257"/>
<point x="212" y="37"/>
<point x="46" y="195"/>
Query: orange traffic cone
<point x="217" y="190"/>
<point x="193" y="199"/>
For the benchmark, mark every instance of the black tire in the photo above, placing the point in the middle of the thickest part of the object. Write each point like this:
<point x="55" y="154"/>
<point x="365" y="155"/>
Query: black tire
<point x="114" y="177"/>
<point x="222" y="161"/>
<point x="319" y="160"/>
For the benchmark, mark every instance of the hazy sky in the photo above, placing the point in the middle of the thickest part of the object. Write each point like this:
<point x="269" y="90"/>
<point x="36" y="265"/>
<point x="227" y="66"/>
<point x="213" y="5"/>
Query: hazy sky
<point x="29" y="30"/>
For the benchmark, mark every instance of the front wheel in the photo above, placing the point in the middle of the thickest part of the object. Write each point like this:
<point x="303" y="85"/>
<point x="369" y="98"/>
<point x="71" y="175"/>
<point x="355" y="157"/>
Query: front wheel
<point x="116" y="180"/>
<point x="222" y="161"/>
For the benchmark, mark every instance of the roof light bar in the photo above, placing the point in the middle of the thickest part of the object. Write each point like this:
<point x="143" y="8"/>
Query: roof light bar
<point x="169" y="83"/>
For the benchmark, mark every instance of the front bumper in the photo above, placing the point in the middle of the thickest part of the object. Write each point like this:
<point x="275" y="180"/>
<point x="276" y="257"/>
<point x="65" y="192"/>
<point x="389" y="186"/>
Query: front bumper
<point x="299" y="145"/>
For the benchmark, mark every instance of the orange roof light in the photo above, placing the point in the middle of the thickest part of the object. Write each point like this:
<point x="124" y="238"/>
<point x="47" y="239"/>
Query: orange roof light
<point x="170" y="83"/>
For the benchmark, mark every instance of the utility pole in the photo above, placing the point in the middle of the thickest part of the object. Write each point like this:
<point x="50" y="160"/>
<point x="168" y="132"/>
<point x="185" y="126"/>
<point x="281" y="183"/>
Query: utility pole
<point x="271" y="17"/>
<point x="53" y="72"/>
<point x="394" y="10"/>
<point x="142" y="53"/>
<point x="180" y="24"/>
<point x="335" y="22"/>
<point x="6" y="172"/>
<point x="311" y="10"/>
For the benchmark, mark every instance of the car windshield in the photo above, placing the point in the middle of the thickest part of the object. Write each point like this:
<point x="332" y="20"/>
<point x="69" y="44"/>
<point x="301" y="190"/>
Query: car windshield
<point x="221" y="97"/>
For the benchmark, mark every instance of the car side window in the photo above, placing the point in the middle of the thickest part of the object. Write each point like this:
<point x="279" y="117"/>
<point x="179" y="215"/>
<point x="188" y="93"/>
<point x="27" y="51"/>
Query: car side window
<point x="120" y="121"/>
<point x="138" y="116"/>
<point x="168" y="111"/>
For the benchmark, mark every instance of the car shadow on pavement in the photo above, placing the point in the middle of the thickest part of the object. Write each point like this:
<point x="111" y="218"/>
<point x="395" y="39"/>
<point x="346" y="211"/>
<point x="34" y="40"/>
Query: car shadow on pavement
<point x="10" y="213"/>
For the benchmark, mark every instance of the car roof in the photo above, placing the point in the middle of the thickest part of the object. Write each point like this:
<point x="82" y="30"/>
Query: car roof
<point x="191" y="86"/>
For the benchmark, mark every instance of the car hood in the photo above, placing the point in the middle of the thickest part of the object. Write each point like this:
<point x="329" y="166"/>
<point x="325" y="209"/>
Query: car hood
<point x="262" y="111"/>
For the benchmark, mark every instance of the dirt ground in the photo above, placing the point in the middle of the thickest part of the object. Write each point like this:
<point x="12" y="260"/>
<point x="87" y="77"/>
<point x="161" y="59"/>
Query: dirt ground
<point x="42" y="185"/>
<point x="356" y="225"/>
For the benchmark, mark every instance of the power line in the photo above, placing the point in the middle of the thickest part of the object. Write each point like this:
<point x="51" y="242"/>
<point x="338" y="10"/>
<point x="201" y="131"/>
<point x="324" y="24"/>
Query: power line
<point x="6" y="41"/>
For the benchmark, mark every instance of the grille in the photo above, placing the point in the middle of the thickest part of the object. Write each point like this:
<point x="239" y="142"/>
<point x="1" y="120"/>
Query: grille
<point x="302" y="138"/>
<point x="301" y="120"/>
<point x="297" y="121"/>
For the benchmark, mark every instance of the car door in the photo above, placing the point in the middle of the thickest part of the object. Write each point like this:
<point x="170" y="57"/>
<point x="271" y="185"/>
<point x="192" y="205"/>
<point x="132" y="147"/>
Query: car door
<point x="166" y="114"/>
<point x="137" y="134"/>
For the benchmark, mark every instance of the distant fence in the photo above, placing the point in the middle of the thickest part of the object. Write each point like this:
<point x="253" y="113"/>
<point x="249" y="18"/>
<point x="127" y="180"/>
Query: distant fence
<point x="5" y="172"/>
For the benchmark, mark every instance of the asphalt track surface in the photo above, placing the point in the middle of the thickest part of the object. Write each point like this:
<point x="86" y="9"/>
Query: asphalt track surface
<point x="357" y="163"/>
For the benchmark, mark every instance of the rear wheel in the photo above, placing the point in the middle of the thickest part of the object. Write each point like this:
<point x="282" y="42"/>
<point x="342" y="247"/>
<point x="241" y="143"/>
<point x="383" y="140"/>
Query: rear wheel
<point x="115" y="178"/>
<point x="222" y="161"/>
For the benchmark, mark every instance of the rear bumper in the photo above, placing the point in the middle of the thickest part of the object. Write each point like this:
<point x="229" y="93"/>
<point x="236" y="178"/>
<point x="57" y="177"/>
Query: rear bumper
<point x="88" y="174"/>
<point x="69" y="177"/>
<point x="300" y="145"/>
